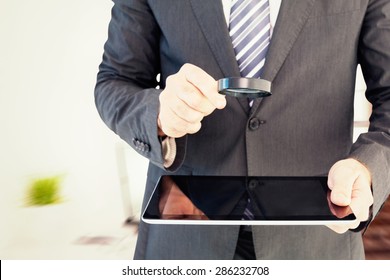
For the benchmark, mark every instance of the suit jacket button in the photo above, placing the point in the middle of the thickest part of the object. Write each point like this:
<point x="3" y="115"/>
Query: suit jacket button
<point x="255" y="123"/>
<point x="253" y="184"/>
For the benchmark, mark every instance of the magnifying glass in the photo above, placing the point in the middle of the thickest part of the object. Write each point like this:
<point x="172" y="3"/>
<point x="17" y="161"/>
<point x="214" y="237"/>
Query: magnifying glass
<point x="244" y="87"/>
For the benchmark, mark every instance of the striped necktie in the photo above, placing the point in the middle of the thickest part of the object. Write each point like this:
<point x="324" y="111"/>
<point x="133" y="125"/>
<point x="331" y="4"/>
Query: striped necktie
<point x="250" y="30"/>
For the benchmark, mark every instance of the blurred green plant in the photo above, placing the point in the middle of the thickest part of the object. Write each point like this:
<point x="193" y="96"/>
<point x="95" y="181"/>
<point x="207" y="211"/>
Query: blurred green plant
<point x="44" y="191"/>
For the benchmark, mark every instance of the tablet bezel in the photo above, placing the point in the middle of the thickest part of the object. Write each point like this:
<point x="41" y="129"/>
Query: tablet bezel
<point x="306" y="221"/>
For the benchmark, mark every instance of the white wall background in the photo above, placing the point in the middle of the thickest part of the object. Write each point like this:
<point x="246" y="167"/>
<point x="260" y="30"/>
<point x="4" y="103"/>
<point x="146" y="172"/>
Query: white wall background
<point x="49" y="55"/>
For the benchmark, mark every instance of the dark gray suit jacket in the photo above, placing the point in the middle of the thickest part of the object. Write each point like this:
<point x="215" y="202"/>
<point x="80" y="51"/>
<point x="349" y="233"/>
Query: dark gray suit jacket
<point x="301" y="130"/>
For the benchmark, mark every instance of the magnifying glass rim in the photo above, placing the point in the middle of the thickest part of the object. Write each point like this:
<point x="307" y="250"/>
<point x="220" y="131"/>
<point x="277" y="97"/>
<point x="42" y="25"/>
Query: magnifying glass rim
<point x="244" y="87"/>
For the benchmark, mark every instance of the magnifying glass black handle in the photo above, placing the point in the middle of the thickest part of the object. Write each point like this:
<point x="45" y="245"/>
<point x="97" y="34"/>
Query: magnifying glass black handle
<point x="244" y="87"/>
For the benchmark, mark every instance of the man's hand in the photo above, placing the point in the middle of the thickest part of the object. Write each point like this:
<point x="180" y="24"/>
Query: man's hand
<point x="189" y="96"/>
<point x="350" y="185"/>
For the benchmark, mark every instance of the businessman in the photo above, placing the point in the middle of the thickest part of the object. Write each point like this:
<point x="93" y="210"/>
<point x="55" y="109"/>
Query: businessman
<point x="309" y="50"/>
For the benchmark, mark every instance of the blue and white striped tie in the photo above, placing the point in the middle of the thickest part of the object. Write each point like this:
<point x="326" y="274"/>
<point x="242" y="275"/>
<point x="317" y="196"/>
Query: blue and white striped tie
<point x="250" y="30"/>
<point x="248" y="212"/>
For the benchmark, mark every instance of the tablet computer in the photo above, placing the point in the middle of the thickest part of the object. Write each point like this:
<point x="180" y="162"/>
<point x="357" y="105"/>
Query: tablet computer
<point x="226" y="200"/>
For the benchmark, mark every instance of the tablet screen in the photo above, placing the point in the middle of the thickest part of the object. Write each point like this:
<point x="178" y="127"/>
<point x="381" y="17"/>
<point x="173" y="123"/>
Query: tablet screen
<point x="227" y="200"/>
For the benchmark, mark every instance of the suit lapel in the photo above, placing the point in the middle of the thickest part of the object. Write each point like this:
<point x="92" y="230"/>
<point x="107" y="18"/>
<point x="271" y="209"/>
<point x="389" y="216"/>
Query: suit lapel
<point x="291" y="19"/>
<point x="211" y="20"/>
<point x="213" y="24"/>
